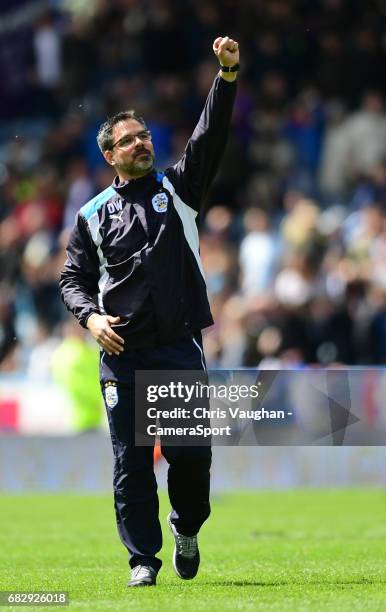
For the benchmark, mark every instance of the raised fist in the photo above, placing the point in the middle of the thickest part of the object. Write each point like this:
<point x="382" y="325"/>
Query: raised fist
<point x="227" y="51"/>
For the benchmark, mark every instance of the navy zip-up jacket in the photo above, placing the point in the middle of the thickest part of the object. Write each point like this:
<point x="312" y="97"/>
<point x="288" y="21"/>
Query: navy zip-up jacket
<point x="134" y="249"/>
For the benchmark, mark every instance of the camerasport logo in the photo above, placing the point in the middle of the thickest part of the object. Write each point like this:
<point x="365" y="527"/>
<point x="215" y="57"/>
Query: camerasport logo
<point x="160" y="202"/>
<point x="111" y="394"/>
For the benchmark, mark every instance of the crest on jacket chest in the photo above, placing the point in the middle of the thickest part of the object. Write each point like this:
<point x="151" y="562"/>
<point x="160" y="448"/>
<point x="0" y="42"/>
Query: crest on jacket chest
<point x="160" y="202"/>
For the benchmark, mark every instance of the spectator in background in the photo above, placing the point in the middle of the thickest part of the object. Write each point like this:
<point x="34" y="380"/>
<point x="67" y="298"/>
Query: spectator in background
<point x="365" y="132"/>
<point x="304" y="130"/>
<point x="80" y="189"/>
<point x="75" y="360"/>
<point x="77" y="76"/>
<point x="259" y="253"/>
<point x="332" y="169"/>
<point x="39" y="362"/>
<point x="48" y="65"/>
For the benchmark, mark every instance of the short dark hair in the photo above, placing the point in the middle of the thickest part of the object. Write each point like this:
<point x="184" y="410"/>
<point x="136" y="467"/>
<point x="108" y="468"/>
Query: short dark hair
<point x="105" y="132"/>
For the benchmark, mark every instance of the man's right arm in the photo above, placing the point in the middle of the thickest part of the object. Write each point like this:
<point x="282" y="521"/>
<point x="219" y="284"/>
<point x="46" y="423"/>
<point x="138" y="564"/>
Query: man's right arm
<point x="80" y="276"/>
<point x="79" y="287"/>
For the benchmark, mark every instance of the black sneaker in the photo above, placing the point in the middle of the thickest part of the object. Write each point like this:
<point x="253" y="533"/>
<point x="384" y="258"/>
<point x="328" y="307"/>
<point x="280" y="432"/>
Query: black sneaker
<point x="142" y="575"/>
<point x="186" y="556"/>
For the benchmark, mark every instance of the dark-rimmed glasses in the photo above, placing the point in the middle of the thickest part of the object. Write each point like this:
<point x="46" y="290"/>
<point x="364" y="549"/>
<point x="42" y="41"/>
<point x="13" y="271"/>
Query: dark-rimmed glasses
<point x="128" y="140"/>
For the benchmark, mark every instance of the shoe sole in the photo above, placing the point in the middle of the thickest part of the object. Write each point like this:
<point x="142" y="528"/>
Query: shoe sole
<point x="174" y="554"/>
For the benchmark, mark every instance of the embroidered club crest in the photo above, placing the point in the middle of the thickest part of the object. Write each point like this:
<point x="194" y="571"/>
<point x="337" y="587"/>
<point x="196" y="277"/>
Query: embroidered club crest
<point x="160" y="202"/>
<point x="111" y="394"/>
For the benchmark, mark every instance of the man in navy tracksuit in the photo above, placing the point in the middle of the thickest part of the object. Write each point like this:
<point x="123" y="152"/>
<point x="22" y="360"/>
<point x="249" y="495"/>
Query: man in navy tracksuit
<point x="134" y="278"/>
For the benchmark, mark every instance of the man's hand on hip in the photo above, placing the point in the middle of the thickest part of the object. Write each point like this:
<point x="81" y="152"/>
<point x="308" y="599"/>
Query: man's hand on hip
<point x="100" y="329"/>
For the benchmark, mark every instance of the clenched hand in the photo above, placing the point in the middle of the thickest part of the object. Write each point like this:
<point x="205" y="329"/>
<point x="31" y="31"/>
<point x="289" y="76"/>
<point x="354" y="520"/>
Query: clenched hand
<point x="226" y="50"/>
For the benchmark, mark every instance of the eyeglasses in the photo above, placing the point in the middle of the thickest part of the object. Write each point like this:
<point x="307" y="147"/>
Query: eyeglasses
<point x="129" y="140"/>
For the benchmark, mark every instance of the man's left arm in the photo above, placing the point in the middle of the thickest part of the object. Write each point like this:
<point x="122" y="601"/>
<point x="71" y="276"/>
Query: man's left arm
<point x="194" y="172"/>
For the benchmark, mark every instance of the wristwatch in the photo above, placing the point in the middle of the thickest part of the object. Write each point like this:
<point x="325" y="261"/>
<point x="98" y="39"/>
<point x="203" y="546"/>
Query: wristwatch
<point x="230" y="68"/>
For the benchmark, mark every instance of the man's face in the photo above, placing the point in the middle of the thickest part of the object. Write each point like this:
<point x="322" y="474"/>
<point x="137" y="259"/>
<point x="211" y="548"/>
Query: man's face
<point x="132" y="154"/>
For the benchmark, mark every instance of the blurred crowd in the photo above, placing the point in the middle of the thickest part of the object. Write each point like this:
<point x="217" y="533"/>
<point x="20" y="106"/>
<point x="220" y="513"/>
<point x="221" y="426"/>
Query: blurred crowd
<point x="294" y="239"/>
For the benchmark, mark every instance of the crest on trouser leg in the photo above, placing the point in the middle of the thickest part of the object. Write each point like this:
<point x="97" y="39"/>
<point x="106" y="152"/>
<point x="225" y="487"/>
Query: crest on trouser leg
<point x="111" y="394"/>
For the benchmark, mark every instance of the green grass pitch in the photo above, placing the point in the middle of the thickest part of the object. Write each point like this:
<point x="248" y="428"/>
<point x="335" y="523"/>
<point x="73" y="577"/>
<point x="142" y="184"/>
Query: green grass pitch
<point x="293" y="550"/>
